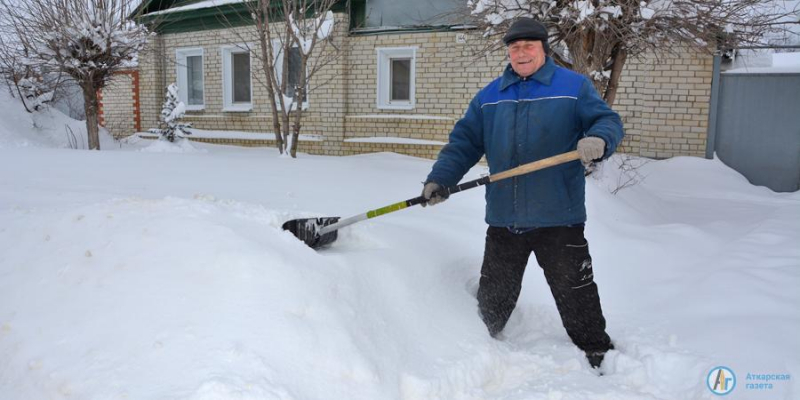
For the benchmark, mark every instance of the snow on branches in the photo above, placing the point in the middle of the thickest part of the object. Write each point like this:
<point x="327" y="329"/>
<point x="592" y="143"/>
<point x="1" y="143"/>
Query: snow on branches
<point x="171" y="114"/>
<point x="35" y="93"/>
<point x="34" y="86"/>
<point x="594" y="37"/>
<point x="304" y="31"/>
<point x="732" y="15"/>
<point x="295" y="41"/>
<point x="88" y="40"/>
<point x="93" y="44"/>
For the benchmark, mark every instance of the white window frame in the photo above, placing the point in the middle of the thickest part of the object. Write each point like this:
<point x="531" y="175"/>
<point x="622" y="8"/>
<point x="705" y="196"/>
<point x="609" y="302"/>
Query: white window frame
<point x="385" y="55"/>
<point x="277" y="51"/>
<point x="227" y="79"/>
<point x="181" y="76"/>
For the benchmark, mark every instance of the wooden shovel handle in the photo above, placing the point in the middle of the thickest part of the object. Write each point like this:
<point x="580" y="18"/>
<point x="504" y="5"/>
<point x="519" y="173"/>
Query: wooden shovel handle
<point x="536" y="165"/>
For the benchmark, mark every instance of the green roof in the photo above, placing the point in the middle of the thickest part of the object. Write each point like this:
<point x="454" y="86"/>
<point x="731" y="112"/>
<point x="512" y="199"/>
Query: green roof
<point x="198" y="19"/>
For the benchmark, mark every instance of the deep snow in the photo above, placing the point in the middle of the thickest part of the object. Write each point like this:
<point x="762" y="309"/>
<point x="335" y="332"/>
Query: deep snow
<point x="50" y="129"/>
<point x="161" y="275"/>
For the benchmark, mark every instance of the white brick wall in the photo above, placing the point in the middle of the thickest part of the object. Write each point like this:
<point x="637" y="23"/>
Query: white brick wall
<point x="118" y="106"/>
<point x="664" y="102"/>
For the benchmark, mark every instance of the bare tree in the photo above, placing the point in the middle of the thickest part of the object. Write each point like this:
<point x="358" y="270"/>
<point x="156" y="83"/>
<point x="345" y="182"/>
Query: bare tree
<point x="596" y="37"/>
<point x="34" y="86"/>
<point x="88" y="40"/>
<point x="294" y="42"/>
<point x="31" y="85"/>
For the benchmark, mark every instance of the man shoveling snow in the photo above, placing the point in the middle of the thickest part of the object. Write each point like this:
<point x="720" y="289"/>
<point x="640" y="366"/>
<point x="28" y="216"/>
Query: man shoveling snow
<point x="535" y="110"/>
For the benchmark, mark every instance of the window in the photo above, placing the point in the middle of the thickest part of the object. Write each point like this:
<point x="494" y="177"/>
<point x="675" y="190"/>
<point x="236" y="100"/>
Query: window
<point x="295" y="75"/>
<point x="396" y="69"/>
<point x="236" y="83"/>
<point x="189" y="75"/>
<point x="400" y="73"/>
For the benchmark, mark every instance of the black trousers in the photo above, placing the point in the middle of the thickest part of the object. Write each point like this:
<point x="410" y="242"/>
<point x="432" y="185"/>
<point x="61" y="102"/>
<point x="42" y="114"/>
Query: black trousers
<point x="563" y="254"/>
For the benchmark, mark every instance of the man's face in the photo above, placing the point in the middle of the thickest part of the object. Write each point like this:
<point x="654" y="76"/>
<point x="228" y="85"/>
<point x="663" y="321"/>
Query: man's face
<point x="526" y="56"/>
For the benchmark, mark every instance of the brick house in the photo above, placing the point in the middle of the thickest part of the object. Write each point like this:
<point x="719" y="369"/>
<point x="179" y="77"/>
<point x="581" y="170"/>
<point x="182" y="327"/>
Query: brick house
<point x="664" y="102"/>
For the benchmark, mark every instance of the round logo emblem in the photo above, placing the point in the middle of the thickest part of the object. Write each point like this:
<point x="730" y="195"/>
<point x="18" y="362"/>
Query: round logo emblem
<point x="721" y="380"/>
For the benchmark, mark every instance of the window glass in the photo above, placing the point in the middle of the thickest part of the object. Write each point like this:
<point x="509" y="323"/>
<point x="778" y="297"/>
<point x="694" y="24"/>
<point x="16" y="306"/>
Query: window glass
<point x="295" y="73"/>
<point x="400" y="72"/>
<point x="194" y="73"/>
<point x="396" y="68"/>
<point x="241" y="77"/>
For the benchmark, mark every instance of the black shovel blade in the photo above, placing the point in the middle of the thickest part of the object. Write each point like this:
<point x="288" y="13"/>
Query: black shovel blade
<point x="307" y="230"/>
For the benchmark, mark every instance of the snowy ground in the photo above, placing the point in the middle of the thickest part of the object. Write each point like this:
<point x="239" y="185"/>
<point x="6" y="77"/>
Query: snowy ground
<point x="161" y="275"/>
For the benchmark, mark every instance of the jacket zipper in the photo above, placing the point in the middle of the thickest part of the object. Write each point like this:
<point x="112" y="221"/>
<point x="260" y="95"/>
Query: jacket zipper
<point x="515" y="144"/>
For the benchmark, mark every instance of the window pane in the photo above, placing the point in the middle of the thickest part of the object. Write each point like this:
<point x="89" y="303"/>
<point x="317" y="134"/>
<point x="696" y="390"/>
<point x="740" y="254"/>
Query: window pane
<point x="295" y="73"/>
<point x="400" y="72"/>
<point x="241" y="77"/>
<point x="194" y="72"/>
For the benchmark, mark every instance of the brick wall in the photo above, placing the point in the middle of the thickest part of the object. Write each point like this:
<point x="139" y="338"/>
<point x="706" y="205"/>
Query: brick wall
<point x="325" y="115"/>
<point x="664" y="101"/>
<point x="447" y="77"/>
<point x="153" y="84"/>
<point x="119" y="104"/>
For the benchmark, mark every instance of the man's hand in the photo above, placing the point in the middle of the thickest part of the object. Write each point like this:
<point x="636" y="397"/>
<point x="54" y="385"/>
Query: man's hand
<point x="430" y="192"/>
<point x="591" y="148"/>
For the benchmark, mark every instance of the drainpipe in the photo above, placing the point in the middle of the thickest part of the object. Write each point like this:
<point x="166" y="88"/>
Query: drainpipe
<point x="711" y="135"/>
<point x="162" y="65"/>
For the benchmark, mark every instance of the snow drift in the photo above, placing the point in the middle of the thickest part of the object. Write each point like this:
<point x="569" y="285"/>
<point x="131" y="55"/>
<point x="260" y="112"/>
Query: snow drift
<point x="128" y="274"/>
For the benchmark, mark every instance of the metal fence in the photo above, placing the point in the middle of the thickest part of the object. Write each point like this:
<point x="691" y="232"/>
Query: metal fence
<point x="754" y="126"/>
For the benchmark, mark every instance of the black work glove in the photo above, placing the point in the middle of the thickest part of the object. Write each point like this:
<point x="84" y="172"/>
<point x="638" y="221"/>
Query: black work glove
<point x="434" y="194"/>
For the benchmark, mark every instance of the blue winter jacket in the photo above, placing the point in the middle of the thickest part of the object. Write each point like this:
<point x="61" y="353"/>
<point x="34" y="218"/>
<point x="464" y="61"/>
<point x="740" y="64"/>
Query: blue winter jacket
<point x="514" y="121"/>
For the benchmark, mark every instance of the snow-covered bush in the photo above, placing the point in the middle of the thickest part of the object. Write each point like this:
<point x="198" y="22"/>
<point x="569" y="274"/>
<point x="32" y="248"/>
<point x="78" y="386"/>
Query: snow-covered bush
<point x="36" y="93"/>
<point x="171" y="114"/>
<point x="31" y="84"/>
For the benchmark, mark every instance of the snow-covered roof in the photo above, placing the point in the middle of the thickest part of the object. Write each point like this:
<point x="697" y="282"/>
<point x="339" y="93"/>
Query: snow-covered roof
<point x="197" y="6"/>
<point x="780" y="63"/>
<point x="765" y="70"/>
<point x="785" y="59"/>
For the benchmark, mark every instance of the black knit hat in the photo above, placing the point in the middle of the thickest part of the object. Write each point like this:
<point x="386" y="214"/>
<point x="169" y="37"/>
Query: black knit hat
<point x="527" y="28"/>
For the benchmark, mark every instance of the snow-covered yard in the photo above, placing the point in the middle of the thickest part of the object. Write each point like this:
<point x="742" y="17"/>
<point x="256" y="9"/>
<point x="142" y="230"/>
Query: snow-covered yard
<point x="153" y="275"/>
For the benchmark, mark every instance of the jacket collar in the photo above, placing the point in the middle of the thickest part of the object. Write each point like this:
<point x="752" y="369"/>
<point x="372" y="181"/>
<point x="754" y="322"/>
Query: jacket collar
<point x="544" y="75"/>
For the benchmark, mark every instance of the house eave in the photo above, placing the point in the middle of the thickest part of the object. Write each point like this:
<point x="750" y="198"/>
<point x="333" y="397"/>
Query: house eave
<point x="201" y="19"/>
<point x="383" y="30"/>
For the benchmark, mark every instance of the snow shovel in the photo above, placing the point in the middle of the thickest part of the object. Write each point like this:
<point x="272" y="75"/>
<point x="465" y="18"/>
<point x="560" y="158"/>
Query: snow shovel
<point x="320" y="232"/>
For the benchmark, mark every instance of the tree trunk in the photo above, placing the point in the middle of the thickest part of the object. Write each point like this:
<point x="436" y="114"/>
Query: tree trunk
<point x="90" y="106"/>
<point x="269" y="71"/>
<point x="276" y="127"/>
<point x="287" y="130"/>
<point x="22" y="97"/>
<point x="299" y="100"/>
<point x="616" y="71"/>
<point x="284" y="84"/>
<point x="295" y="139"/>
<point x="296" y="127"/>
